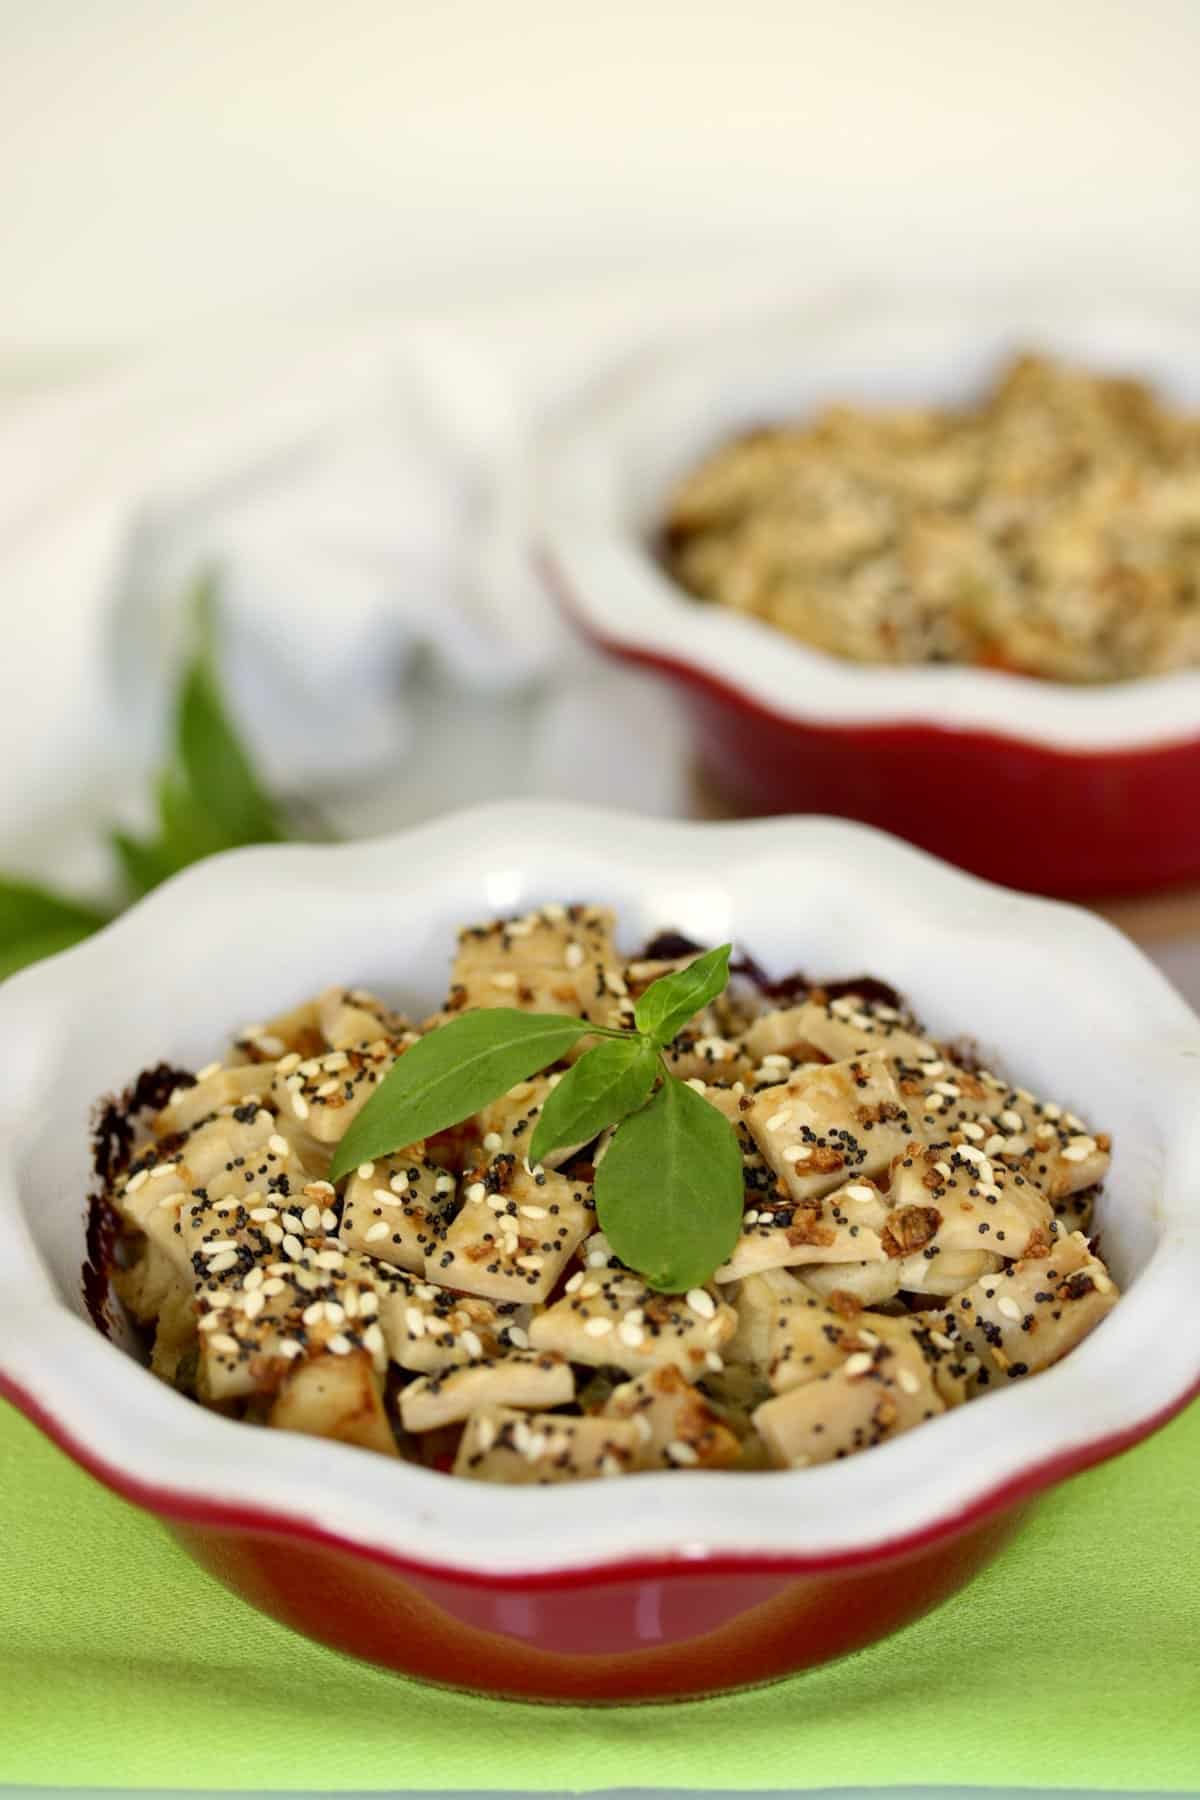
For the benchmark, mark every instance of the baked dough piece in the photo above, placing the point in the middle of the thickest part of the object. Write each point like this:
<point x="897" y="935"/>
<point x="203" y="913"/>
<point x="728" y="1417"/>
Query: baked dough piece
<point x="823" y="1030"/>
<point x="524" y="1379"/>
<point x="394" y="1208"/>
<point x="338" y="1397"/>
<point x="557" y="960"/>
<point x="955" y="1198"/>
<point x="677" y="1428"/>
<point x="876" y="1393"/>
<point x="515" y="1234"/>
<point x="611" y="1318"/>
<point x="830" y="1125"/>
<point x="320" y="1095"/>
<point x="839" y="1227"/>
<point x="519" y="1449"/>
<point x="1034" y="1313"/>
<point x="428" y="1328"/>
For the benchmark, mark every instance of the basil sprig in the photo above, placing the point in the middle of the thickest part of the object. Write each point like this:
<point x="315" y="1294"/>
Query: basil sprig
<point x="207" y="798"/>
<point x="669" y="1189"/>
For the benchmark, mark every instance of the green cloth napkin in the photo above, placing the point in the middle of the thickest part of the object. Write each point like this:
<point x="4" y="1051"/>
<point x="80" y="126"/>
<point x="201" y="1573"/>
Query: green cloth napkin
<point x="1073" y="1661"/>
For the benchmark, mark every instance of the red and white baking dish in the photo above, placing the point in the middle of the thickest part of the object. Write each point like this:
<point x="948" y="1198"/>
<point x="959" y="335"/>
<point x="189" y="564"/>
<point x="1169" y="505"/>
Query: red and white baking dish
<point x="659" y="1585"/>
<point x="1051" y="787"/>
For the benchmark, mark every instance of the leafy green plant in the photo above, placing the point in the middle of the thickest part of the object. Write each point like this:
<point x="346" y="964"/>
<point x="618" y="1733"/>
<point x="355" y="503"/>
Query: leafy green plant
<point x="668" y="1188"/>
<point x="207" y="798"/>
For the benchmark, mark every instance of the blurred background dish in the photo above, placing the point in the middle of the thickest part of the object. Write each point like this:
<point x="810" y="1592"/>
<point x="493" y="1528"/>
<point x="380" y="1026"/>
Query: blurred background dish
<point x="1057" y="786"/>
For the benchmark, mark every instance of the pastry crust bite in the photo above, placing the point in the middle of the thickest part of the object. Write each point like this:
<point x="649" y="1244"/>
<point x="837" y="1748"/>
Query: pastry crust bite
<point x="560" y="959"/>
<point x="610" y="1318"/>
<point x="955" y="1198"/>
<point x="830" y="1125"/>
<point x="676" y="1425"/>
<point x="1034" y="1313"/>
<point x="515" y="1233"/>
<point x="394" y="1208"/>
<point x="523" y="1379"/>
<point x="319" y="1096"/>
<point x="876" y="1393"/>
<point x="521" y="1449"/>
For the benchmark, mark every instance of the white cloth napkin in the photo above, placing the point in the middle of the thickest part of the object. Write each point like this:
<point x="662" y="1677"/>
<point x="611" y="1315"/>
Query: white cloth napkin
<point x="335" y="481"/>
<point x="360" y="493"/>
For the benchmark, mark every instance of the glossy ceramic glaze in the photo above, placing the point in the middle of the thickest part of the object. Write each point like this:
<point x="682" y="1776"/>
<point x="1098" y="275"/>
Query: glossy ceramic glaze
<point x="661" y="1585"/>
<point x="1053" y="788"/>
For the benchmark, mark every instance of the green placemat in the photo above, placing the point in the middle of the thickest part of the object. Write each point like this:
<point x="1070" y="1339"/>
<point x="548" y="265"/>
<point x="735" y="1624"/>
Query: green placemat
<point x="1073" y="1661"/>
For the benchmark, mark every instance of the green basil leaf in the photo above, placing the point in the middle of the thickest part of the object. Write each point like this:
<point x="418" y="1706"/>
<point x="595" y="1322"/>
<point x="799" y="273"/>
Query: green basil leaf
<point x="222" y="787"/>
<point x="144" y="862"/>
<point x="670" y="1190"/>
<point x="668" y="1003"/>
<point x="35" y="923"/>
<point x="606" y="1084"/>
<point x="450" y="1074"/>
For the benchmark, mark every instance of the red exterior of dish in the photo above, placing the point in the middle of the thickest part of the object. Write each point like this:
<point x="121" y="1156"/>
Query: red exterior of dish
<point x="1050" y="821"/>
<point x="656" y="1629"/>
<point x="683" y="1632"/>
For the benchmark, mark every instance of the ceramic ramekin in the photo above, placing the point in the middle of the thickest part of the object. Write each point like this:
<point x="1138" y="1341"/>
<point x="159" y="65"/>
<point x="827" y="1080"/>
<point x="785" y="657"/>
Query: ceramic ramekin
<point x="659" y="1585"/>
<point x="1051" y="787"/>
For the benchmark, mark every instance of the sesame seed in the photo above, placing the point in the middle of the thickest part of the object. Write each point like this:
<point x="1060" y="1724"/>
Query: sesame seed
<point x="1011" y="1121"/>
<point x="278" y="1145"/>
<point x="995" y="1144"/>
<point x="573" y="955"/>
<point x="221" y="1340"/>
<point x="702" y="1303"/>
<point x="376" y="1232"/>
<point x="714" y="1360"/>
<point x="797" y="1153"/>
<point x="290" y="1222"/>
<point x="575" y="1283"/>
<point x="858" y="1190"/>
<point x="373" y="1339"/>
<point x="290" y="1348"/>
<point x="630" y="1334"/>
<point x="1008" y="1307"/>
<point x="160" y="1169"/>
<point x="858" y="1364"/>
<point x="530" y="1262"/>
<point x="137" y="1181"/>
<point x="598" y="1327"/>
<point x="260" y="1214"/>
<point x="485" y="1434"/>
<point x="208" y="1071"/>
<point x="971" y="1130"/>
<point x="300" y="1106"/>
<point x="471" y="1343"/>
<point x="340" y="1344"/>
<point x="518" y="1338"/>
<point x="492" y="1141"/>
<point x="505" y="979"/>
<point x="778" y="1120"/>
<point x="219" y="1264"/>
<point x="329" y="1259"/>
<point x="476" y="1192"/>
<point x="293" y="1247"/>
<point x="908" y="1381"/>
<point x="682" y="1453"/>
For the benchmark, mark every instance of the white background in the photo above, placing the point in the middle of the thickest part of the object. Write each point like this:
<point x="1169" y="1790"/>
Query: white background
<point x="164" y="162"/>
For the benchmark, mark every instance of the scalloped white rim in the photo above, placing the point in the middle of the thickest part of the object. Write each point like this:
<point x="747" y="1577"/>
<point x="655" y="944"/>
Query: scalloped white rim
<point x="606" y="463"/>
<point x="1070" y="1004"/>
